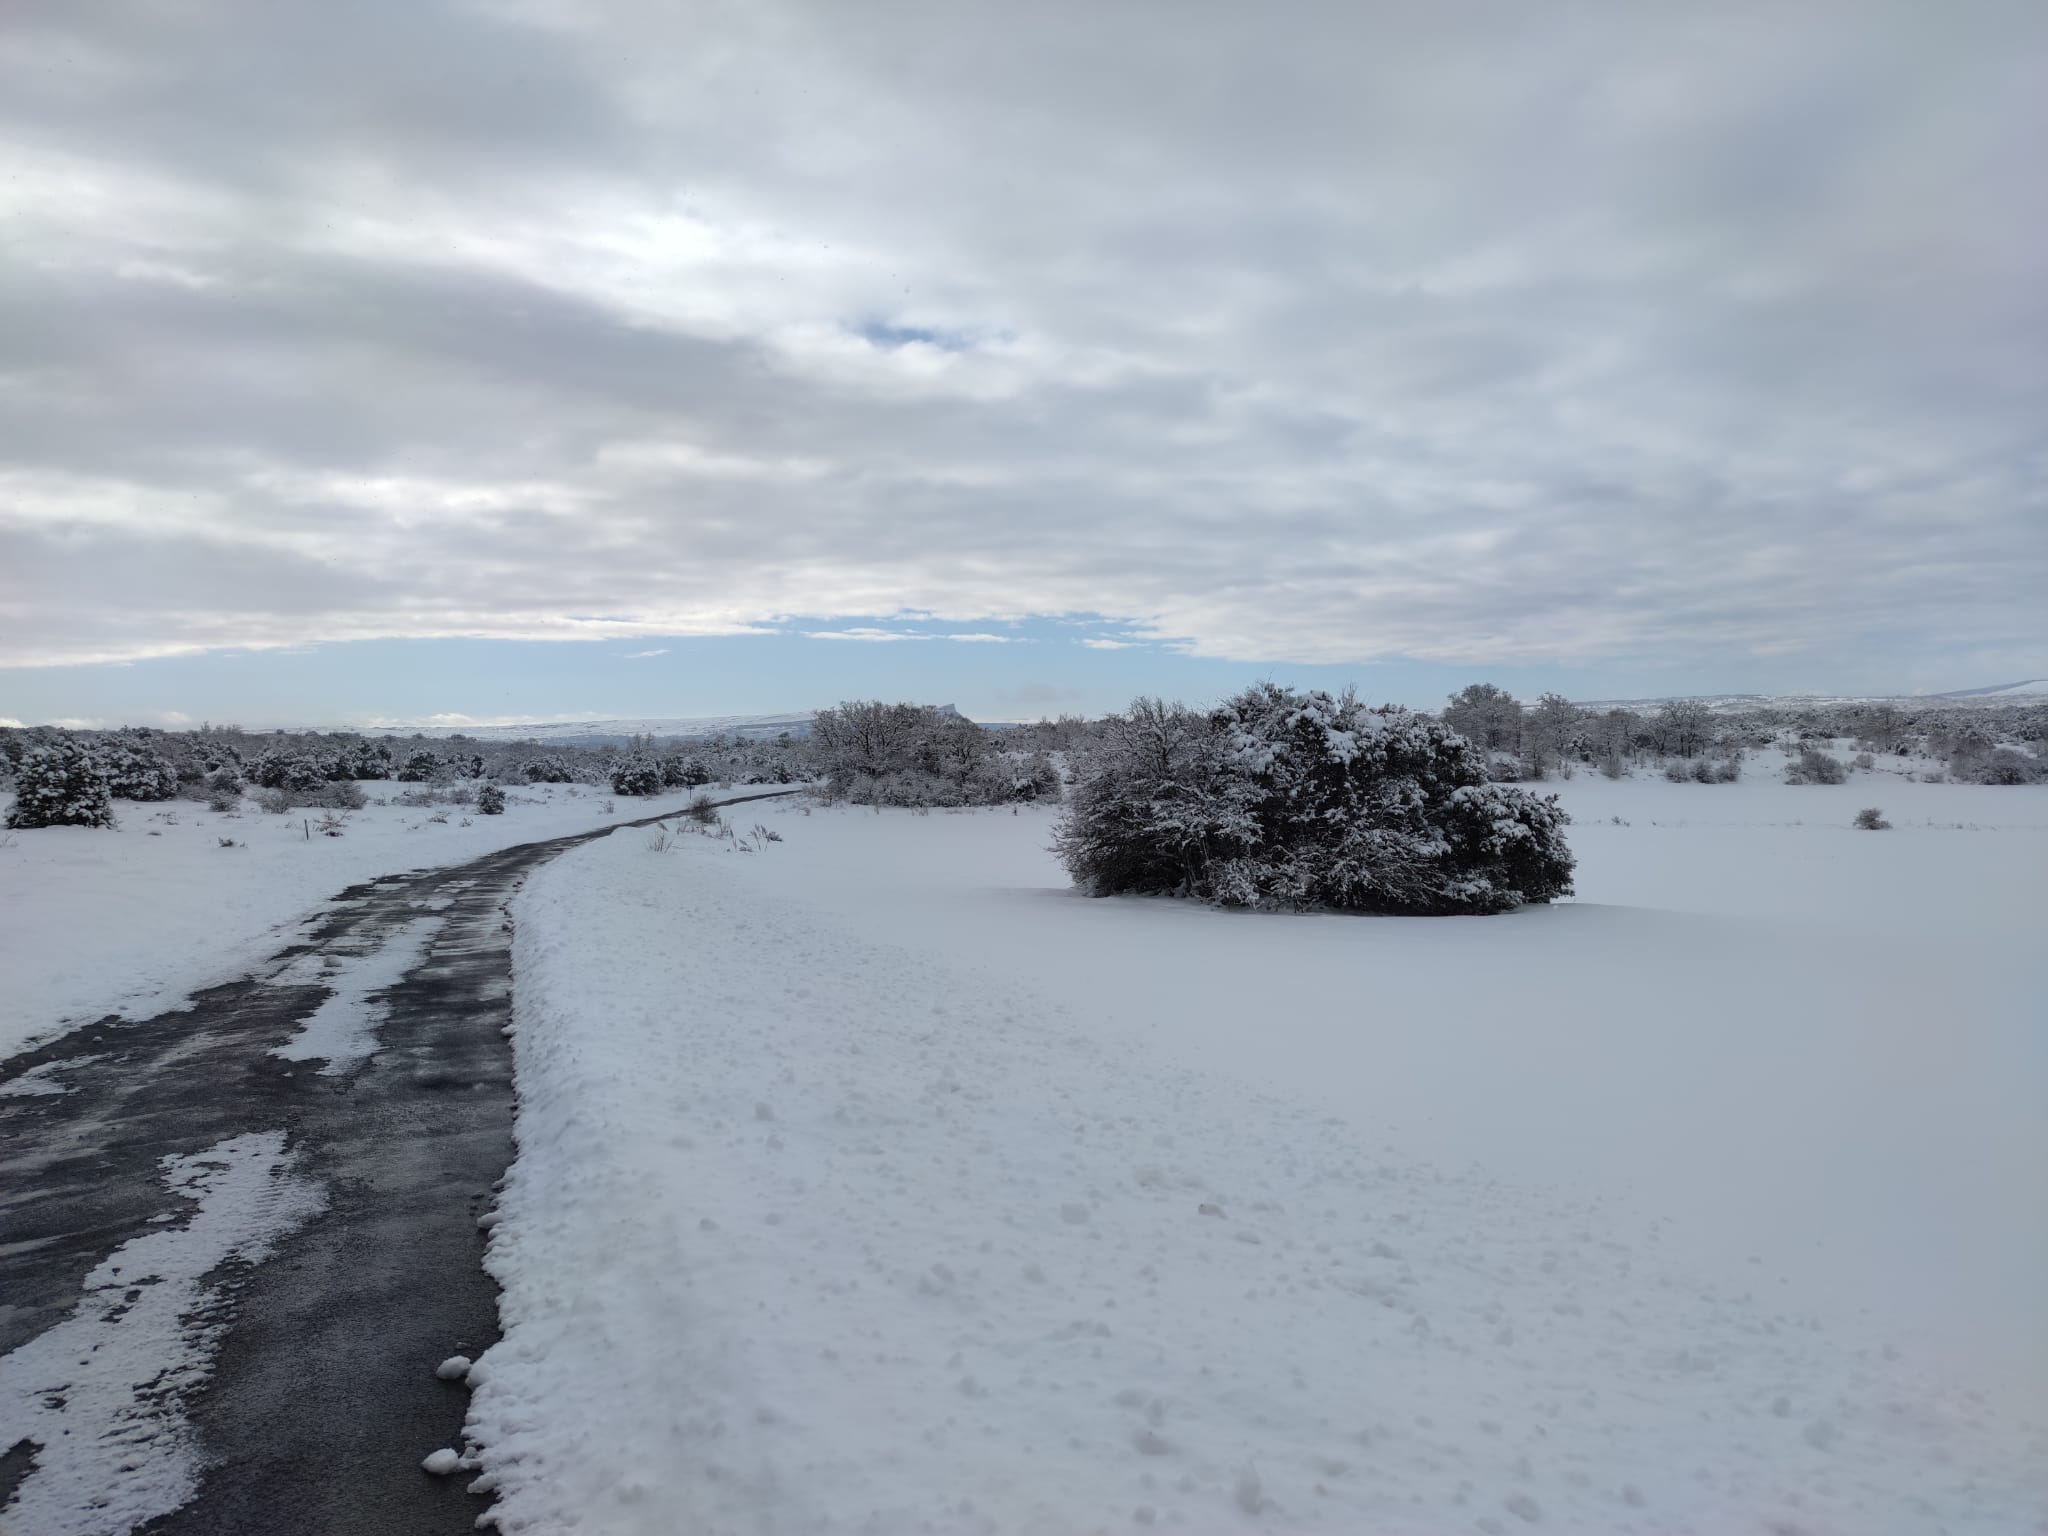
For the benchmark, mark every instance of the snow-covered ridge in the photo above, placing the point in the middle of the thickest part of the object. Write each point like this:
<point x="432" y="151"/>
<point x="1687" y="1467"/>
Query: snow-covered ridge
<point x="2032" y="688"/>
<point x="594" y="733"/>
<point x="2002" y="693"/>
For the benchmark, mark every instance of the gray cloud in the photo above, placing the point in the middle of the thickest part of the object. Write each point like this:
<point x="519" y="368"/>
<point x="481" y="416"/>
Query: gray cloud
<point x="1327" y="334"/>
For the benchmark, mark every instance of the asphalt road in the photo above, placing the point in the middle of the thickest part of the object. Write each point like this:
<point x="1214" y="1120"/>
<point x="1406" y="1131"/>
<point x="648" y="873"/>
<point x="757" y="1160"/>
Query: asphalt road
<point x="322" y="1400"/>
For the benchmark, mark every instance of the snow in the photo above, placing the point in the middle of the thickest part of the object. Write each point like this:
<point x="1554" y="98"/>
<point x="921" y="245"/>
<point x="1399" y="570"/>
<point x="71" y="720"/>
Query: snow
<point x="343" y="1029"/>
<point x="602" y="732"/>
<point x="133" y="920"/>
<point x="873" y="1180"/>
<point x="101" y="1393"/>
<point x="47" y="1080"/>
<point x="2033" y="688"/>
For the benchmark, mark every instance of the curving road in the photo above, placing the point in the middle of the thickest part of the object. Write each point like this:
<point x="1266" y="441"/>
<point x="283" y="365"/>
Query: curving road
<point x="321" y="1330"/>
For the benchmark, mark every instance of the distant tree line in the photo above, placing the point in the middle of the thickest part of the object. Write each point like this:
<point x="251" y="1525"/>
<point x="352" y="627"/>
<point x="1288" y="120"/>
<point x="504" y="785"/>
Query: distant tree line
<point x="1689" y="739"/>
<point x="64" y="777"/>
<point x="873" y="753"/>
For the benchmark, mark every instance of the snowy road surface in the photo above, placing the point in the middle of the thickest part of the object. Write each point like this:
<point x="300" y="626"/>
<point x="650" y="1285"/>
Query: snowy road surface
<point x="236" y="1238"/>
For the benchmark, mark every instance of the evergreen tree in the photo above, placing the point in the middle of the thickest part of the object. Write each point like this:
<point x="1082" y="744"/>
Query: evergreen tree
<point x="60" y="784"/>
<point x="1280" y="798"/>
<point x="635" y="776"/>
<point x="135" y="771"/>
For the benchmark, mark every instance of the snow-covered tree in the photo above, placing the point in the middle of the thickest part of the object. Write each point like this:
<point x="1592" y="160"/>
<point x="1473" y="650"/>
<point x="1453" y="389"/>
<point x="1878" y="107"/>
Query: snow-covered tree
<point x="134" y="770"/>
<point x="1283" y="798"/>
<point x="1684" y="726"/>
<point x="904" y="754"/>
<point x="1155" y="806"/>
<point x="490" y="800"/>
<point x="1552" y="735"/>
<point x="61" y="784"/>
<point x="289" y="769"/>
<point x="421" y="767"/>
<point x="1488" y="717"/>
<point x="636" y="776"/>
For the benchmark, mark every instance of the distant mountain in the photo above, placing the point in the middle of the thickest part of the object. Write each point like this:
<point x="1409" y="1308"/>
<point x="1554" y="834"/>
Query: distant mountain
<point x="2033" y="688"/>
<point x="2004" y="693"/>
<point x="616" y="733"/>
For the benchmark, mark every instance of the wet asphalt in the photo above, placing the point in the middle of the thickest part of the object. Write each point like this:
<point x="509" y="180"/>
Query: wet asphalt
<point x="323" y="1399"/>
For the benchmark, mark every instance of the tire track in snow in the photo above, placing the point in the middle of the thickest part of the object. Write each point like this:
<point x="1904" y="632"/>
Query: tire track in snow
<point x="98" y="1394"/>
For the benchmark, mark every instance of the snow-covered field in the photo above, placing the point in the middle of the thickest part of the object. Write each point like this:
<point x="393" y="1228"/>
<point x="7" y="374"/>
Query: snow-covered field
<point x="875" y="1181"/>
<point x="133" y="920"/>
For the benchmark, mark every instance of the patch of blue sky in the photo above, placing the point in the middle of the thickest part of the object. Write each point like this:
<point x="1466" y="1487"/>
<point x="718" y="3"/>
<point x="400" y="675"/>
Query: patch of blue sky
<point x="990" y="669"/>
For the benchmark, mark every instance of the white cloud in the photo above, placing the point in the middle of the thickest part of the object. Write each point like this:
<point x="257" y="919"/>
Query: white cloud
<point x="1326" y="376"/>
<point x="865" y="634"/>
<point x="660" y="650"/>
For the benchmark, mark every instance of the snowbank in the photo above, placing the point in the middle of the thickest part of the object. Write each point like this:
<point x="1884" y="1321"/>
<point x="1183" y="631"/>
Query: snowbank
<point x="134" y="919"/>
<point x="873" y="1181"/>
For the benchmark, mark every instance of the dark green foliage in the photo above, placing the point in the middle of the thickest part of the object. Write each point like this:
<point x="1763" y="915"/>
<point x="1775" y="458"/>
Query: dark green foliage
<point x="135" y="771"/>
<point x="61" y="784"/>
<point x="490" y="800"/>
<point x="635" y="776"/>
<point x="420" y="768"/>
<point x="1288" y="799"/>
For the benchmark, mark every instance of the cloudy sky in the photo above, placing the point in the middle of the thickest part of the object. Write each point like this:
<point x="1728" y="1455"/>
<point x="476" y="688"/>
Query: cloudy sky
<point x="521" y="358"/>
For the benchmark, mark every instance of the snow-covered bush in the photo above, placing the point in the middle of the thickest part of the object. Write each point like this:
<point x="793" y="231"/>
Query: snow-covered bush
<point x="1871" y="819"/>
<point x="1034" y="777"/>
<point x="61" y="784"/>
<point x="548" y="770"/>
<point x="420" y="768"/>
<point x="134" y="771"/>
<point x="490" y="800"/>
<point x="1703" y="770"/>
<point x="358" y="760"/>
<point x="293" y="772"/>
<point x="1813" y="766"/>
<point x="224" y="789"/>
<point x="1280" y="798"/>
<point x="2001" y="765"/>
<point x="636" y="776"/>
<point x="335" y="795"/>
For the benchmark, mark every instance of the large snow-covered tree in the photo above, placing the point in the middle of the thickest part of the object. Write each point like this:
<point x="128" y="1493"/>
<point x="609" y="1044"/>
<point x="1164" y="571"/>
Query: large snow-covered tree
<point x="918" y="754"/>
<point x="1292" y="799"/>
<point x="61" y="784"/>
<point x="636" y="776"/>
<point x="135" y="770"/>
<point x="1486" y="716"/>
